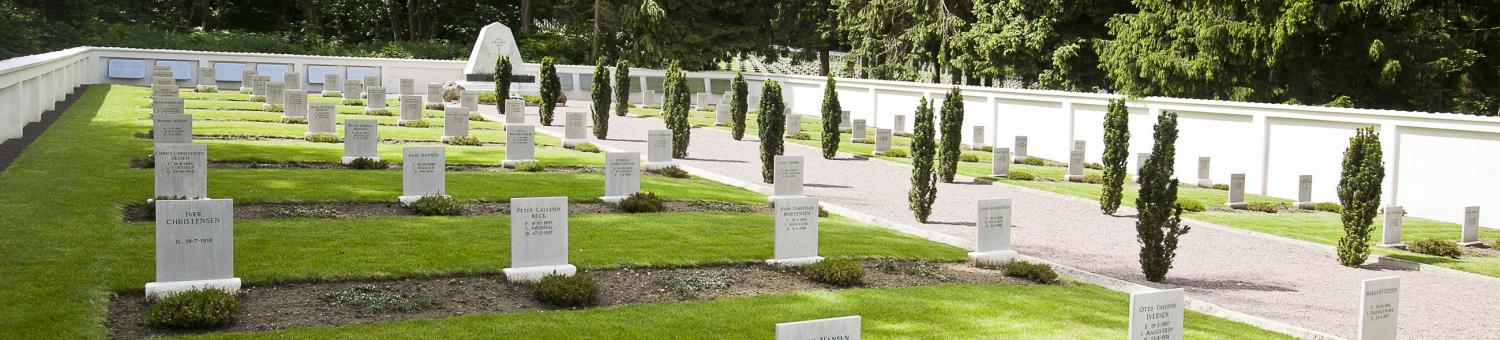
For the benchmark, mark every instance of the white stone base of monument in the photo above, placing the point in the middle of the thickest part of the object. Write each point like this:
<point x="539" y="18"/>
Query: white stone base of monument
<point x="210" y="88"/>
<point x="513" y="163"/>
<point x="346" y="160"/>
<point x="1074" y="178"/>
<point x="1393" y="245"/>
<point x="1237" y="205"/>
<point x="1306" y="205"/>
<point x="1471" y="244"/>
<point x="403" y="122"/>
<point x="795" y="261"/>
<point x="534" y="274"/>
<point x="1000" y="175"/>
<point x="1205" y="183"/>
<point x="568" y="143"/>
<point x="164" y="289"/>
<point x="658" y="165"/>
<point x="408" y="200"/>
<point x="997" y="257"/>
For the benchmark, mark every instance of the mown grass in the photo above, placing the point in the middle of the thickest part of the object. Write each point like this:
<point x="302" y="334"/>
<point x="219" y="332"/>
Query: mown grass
<point x="275" y="151"/>
<point x="322" y="185"/>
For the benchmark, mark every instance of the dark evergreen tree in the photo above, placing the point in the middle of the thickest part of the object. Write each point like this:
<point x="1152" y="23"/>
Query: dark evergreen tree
<point x="622" y="87"/>
<point x="772" y="122"/>
<point x="602" y="95"/>
<point x="738" y="105"/>
<point x="923" y="180"/>
<point x="1159" y="222"/>
<point x="1116" y="153"/>
<point x="550" y="90"/>
<point x="953" y="129"/>
<point x="502" y="80"/>
<point x="675" y="109"/>
<point x="832" y="115"/>
<point x="1359" y="192"/>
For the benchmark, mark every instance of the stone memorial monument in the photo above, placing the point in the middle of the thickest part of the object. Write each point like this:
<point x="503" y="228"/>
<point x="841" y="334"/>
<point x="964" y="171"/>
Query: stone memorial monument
<point x="515" y="111"/>
<point x="1236" y="192"/>
<point x="494" y="40"/>
<point x="1204" y="181"/>
<point x="1470" y="236"/>
<point x="469" y="100"/>
<point x="361" y="138"/>
<point x="1075" y="165"/>
<point x="408" y="87"/>
<point x="843" y="328"/>
<point x="160" y="92"/>
<point x="435" y="94"/>
<point x="353" y="89"/>
<point x="722" y="112"/>
<point x="207" y="80"/>
<point x="295" y="104"/>
<point x="321" y="119"/>
<point x="331" y="82"/>
<point x="538" y="239"/>
<point x="882" y="141"/>
<point x="1157" y="315"/>
<point x="247" y="80"/>
<point x="423" y="173"/>
<point x="194" y="247"/>
<point x="786" y="177"/>
<point x="658" y="149"/>
<point x="275" y="96"/>
<point x="374" y="99"/>
<point x="411" y="110"/>
<point x="575" y="129"/>
<point x="1021" y="148"/>
<point x="1379" y="308"/>
<point x="993" y="224"/>
<point x="1304" y="193"/>
<point x="167" y="106"/>
<point x="899" y="124"/>
<point x="181" y="171"/>
<point x="293" y="80"/>
<point x="1000" y="162"/>
<point x="1391" y="230"/>
<point x="520" y="145"/>
<point x="455" y="122"/>
<point x="796" y="231"/>
<point x="793" y="124"/>
<point x="977" y="140"/>
<point x="858" y="128"/>
<point x="622" y="175"/>
<point x="171" y="129"/>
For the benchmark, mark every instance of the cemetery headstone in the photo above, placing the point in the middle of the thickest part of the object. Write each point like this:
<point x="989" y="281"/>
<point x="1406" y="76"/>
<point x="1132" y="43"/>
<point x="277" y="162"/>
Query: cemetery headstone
<point x="1075" y="166"/>
<point x="538" y="239"/>
<point x="293" y="80"/>
<point x="163" y="81"/>
<point x="194" y="247"/>
<point x="295" y="104"/>
<point x="167" y="106"/>
<point x="1304" y="193"/>
<point x="796" y="231"/>
<point x="361" y="137"/>
<point x="844" y="119"/>
<point x="515" y="111"/>
<point x="1379" y="308"/>
<point x="1140" y="161"/>
<point x="520" y="144"/>
<point x="161" y="72"/>
<point x="331" y="84"/>
<point x="1391" y="235"/>
<point x="1470" y="235"/>
<point x="882" y="141"/>
<point x="900" y="124"/>
<point x="275" y="96"/>
<point x="786" y="177"/>
<point x="371" y="81"/>
<point x="258" y="87"/>
<point x="455" y="122"/>
<point x="207" y="80"/>
<point x="469" y="100"/>
<point x="423" y="173"/>
<point x="411" y="109"/>
<point x="1000" y="162"/>
<point x="353" y="89"/>
<point x="159" y="92"/>
<point x="434" y="93"/>
<point x="374" y="99"/>
<point x="1157" y="315"/>
<point x="722" y="113"/>
<point x="1021" y="148"/>
<point x="181" y="171"/>
<point x="575" y="129"/>
<point x="647" y="97"/>
<point x="622" y="175"/>
<point x="700" y="101"/>
<point x="320" y="119"/>
<point x="408" y="87"/>
<point x="843" y="328"/>
<point x="171" y="129"/>
<point x="793" y="124"/>
<point x="977" y="141"/>
<point x="1078" y="145"/>
<point x="859" y="130"/>
<point x="993" y="224"/>
<point x="658" y="149"/>
<point x="1237" y="192"/>
<point x="247" y="80"/>
<point x="1203" y="174"/>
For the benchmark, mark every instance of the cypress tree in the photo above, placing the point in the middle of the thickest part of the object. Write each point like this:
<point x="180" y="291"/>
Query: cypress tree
<point x="832" y="115"/>
<point x="675" y="110"/>
<point x="502" y="80"/>
<point x="1359" y="192"/>
<point x="622" y="87"/>
<point x="550" y="89"/>
<point x="739" y="105"/>
<point x="953" y="124"/>
<point x="601" y="96"/>
<point x="1116" y="152"/>
<point x="1159" y="223"/>
<point x="923" y="181"/>
<point x="772" y="122"/>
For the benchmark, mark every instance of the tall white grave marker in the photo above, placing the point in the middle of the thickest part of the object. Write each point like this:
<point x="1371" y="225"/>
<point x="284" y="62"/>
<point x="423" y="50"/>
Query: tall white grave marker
<point x="538" y="239"/>
<point x="172" y="129"/>
<point x="293" y="80"/>
<point x="793" y="124"/>
<point x="993" y="223"/>
<point x="1391" y="230"/>
<point x="469" y="100"/>
<point x="796" y="231"/>
<point x="658" y="149"/>
<point x="353" y="89"/>
<point x="275" y="96"/>
<point x="181" y="171"/>
<point x="858" y="128"/>
<point x="843" y="328"/>
<point x="1470" y="235"/>
<point x="1157" y="315"/>
<point x="575" y="129"/>
<point x="520" y="145"/>
<point x="1021" y="148"/>
<point x="1075" y="165"/>
<point x="882" y="141"/>
<point x="320" y="119"/>
<point x="900" y="124"/>
<point x="1204" y="181"/>
<point x="167" y="106"/>
<point x="331" y="83"/>
<point x="515" y="111"/>
<point x="423" y="173"/>
<point x="1236" y="192"/>
<point x="247" y="80"/>
<point x="207" y="82"/>
<point x="787" y="177"/>
<point x="1304" y="192"/>
<point x="374" y="99"/>
<point x="434" y="93"/>
<point x="721" y="111"/>
<point x="977" y="139"/>
<point x="455" y="122"/>
<point x="1379" y="308"/>
<point x="194" y="247"/>
<point x="295" y="104"/>
<point x="411" y="109"/>
<point x="1000" y="162"/>
<point x="361" y="136"/>
<point x="408" y="87"/>
<point x="622" y="175"/>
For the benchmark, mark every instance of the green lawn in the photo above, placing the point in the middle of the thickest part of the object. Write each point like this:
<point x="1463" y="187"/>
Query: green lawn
<point x="275" y="117"/>
<point x="935" y="312"/>
<point x="314" y="185"/>
<point x="271" y="151"/>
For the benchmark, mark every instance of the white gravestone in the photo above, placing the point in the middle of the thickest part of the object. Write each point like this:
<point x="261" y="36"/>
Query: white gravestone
<point x="844" y="328"/>
<point x="575" y="128"/>
<point x="258" y="87"/>
<point x="167" y="80"/>
<point x="159" y="92"/>
<point x="206" y="79"/>
<point x="515" y="111"/>
<point x="1237" y="192"/>
<point x="294" y="104"/>
<point x="1391" y="233"/>
<point x="320" y="119"/>
<point x="1000" y="162"/>
<point x="1075" y="166"/>
<point x="1304" y="193"/>
<point x="1470" y="235"/>
<point x="494" y="40"/>
<point x="700" y="101"/>
<point x="172" y="129"/>
<point x="622" y="175"/>
<point x="411" y="109"/>
<point x="538" y="239"/>
<point x="181" y="171"/>
<point x="434" y="93"/>
<point x="859" y="131"/>
<point x="275" y="96"/>
<point x="1157" y="315"/>
<point x="882" y="141"/>
<point x="647" y="96"/>
<point x="1021" y="148"/>
<point x="844" y="118"/>
<point x="331" y="84"/>
<point x="722" y="111"/>
<point x="455" y="122"/>
<point x="408" y="87"/>
<point x="1140" y="161"/>
<point x="793" y="124"/>
<point x="469" y="100"/>
<point x="293" y="80"/>
<point x="353" y="89"/>
<point x="374" y="99"/>
<point x="993" y="224"/>
<point x="167" y="106"/>
<point x="977" y="141"/>
<point x="361" y="138"/>
<point x="900" y="124"/>
<point x="194" y="247"/>
<point x="1379" y="308"/>
<point x="1079" y="145"/>
<point x="796" y="231"/>
<point x="786" y="177"/>
<point x="161" y="71"/>
<point x="247" y="80"/>
<point x="658" y="149"/>
<point x="371" y="81"/>
<point x="520" y="145"/>
<point x="423" y="173"/>
<point x="1203" y="175"/>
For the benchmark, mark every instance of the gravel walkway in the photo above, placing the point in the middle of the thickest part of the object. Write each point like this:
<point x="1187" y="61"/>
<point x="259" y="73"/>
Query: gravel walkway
<point x="1285" y="280"/>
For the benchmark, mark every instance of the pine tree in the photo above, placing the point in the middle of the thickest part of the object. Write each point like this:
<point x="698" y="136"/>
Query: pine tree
<point x="622" y="87"/>
<point x="923" y="181"/>
<point x="832" y="115"/>
<point x="739" y="105"/>
<point x="953" y="124"/>
<point x="772" y="122"/>
<point x="550" y="90"/>
<point x="502" y="80"/>
<point x="675" y="110"/>
<point x="1116" y="152"/>
<point x="1159" y="223"/>
<point x="601" y="96"/>
<point x="1359" y="192"/>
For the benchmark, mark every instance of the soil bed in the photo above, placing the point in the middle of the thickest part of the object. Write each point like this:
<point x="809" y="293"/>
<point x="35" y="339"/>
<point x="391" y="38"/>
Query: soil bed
<point x="143" y="212"/>
<point x="307" y="304"/>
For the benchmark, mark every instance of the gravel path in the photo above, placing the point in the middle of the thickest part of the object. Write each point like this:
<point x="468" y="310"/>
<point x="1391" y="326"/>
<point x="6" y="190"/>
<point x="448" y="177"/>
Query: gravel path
<point x="1285" y="280"/>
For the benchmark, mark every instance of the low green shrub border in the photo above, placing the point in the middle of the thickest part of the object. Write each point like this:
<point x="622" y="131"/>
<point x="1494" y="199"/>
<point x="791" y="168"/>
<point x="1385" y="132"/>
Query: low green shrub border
<point x="671" y="171"/>
<point x="1265" y="207"/>
<point x="324" y="138"/>
<point x="1018" y="175"/>
<point x="587" y="147"/>
<point x="531" y="167"/>
<point x="1032" y="161"/>
<point x="567" y="291"/>
<point x="364" y="163"/>
<point x="464" y="140"/>
<point x="642" y="202"/>
<point x="838" y="272"/>
<point x="895" y="153"/>
<point x="1328" y="207"/>
<point x="1436" y="247"/>
<point x="436" y="206"/>
<point x="195" y="309"/>
<point x="1034" y="272"/>
<point x="1190" y="205"/>
<point x="417" y="124"/>
<point x="968" y="157"/>
<point x="1093" y="178"/>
